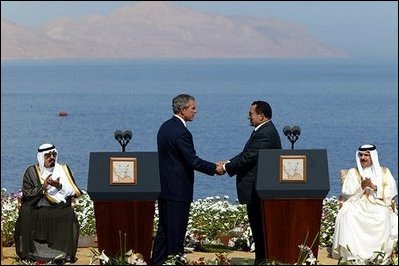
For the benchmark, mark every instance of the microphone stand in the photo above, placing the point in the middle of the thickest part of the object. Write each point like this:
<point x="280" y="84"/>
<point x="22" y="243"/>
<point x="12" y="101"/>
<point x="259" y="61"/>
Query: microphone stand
<point x="292" y="134"/>
<point x="123" y="138"/>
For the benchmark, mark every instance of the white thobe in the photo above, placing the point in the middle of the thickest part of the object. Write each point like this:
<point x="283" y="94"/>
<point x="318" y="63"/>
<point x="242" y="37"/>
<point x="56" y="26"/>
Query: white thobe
<point x="68" y="186"/>
<point x="365" y="223"/>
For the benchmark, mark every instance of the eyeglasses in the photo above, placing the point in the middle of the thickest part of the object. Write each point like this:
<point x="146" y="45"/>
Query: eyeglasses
<point x="48" y="155"/>
<point x="250" y="114"/>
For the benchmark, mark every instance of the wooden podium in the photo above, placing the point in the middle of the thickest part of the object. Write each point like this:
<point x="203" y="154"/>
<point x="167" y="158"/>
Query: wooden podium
<point x="292" y="185"/>
<point x="124" y="187"/>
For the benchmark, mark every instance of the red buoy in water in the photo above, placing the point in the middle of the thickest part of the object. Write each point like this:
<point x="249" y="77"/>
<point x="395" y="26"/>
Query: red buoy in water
<point x="62" y="113"/>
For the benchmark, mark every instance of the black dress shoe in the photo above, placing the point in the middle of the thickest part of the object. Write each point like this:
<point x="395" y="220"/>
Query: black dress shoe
<point x="260" y="262"/>
<point x="57" y="261"/>
<point x="70" y="259"/>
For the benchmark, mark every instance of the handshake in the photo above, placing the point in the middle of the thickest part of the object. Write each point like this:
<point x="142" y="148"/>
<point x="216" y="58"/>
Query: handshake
<point x="219" y="167"/>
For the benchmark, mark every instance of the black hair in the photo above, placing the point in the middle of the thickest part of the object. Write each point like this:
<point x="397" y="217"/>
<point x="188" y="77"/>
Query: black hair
<point x="263" y="107"/>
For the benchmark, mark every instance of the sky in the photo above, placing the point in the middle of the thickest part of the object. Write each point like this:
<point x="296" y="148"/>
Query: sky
<point x="363" y="29"/>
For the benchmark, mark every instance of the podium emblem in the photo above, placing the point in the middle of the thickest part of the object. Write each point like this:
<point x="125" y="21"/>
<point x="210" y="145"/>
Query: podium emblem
<point x="293" y="168"/>
<point x="123" y="170"/>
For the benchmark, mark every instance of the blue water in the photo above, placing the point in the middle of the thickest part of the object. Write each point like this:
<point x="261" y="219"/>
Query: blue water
<point x="339" y="104"/>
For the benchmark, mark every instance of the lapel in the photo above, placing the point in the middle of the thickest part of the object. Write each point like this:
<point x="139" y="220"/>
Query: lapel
<point x="249" y="140"/>
<point x="254" y="133"/>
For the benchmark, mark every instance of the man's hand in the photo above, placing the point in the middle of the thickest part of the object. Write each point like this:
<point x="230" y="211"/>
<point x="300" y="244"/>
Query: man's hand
<point x="55" y="183"/>
<point x="219" y="168"/>
<point x="367" y="183"/>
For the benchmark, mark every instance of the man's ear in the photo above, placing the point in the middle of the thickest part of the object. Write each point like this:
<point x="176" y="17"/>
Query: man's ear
<point x="264" y="118"/>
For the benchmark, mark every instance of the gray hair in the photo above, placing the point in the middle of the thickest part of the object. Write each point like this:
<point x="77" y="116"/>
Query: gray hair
<point x="180" y="102"/>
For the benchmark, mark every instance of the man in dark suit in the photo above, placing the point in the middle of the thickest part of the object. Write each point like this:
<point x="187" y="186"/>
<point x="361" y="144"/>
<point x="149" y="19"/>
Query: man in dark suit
<point x="244" y="166"/>
<point x="177" y="162"/>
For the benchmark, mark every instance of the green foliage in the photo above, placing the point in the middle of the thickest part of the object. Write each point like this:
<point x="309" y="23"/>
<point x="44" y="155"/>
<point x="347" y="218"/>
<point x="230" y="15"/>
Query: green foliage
<point x="214" y="218"/>
<point x="218" y="259"/>
<point x="83" y="207"/>
<point x="9" y="215"/>
<point x="215" y="224"/>
<point x="210" y="219"/>
<point x="84" y="210"/>
<point x="127" y="258"/>
<point x="123" y="258"/>
<point x="329" y="213"/>
<point x="379" y="258"/>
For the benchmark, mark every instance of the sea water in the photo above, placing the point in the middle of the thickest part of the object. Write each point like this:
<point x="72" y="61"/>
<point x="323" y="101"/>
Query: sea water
<point x="339" y="105"/>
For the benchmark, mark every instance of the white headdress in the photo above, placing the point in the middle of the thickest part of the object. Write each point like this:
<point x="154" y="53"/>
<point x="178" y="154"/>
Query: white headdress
<point x="43" y="149"/>
<point x="57" y="172"/>
<point x="375" y="168"/>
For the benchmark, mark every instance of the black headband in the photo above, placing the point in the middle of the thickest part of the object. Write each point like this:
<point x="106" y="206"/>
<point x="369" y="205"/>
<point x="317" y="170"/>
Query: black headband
<point x="372" y="148"/>
<point x="46" y="149"/>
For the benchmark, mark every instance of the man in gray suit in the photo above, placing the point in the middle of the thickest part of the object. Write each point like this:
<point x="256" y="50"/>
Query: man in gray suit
<point x="244" y="166"/>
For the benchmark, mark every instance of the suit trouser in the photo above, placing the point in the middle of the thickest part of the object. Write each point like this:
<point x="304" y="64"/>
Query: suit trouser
<point x="172" y="226"/>
<point x="256" y="222"/>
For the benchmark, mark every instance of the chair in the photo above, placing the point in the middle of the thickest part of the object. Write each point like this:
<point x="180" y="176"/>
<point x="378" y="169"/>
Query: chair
<point x="342" y="175"/>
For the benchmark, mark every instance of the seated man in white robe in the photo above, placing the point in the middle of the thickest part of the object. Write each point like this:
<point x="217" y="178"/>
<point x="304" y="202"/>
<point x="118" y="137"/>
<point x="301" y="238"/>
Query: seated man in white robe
<point x="366" y="223"/>
<point x="47" y="228"/>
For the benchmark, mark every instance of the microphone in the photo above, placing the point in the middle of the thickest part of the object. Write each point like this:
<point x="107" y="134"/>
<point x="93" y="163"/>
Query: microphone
<point x="118" y="135"/>
<point x="287" y="130"/>
<point x="123" y="137"/>
<point x="127" y="135"/>
<point x="292" y="134"/>
<point x="296" y="130"/>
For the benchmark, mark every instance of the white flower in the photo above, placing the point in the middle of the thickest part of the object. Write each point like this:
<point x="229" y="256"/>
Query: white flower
<point x="129" y="253"/>
<point x="312" y="260"/>
<point x="103" y="257"/>
<point x="252" y="247"/>
<point x="134" y="258"/>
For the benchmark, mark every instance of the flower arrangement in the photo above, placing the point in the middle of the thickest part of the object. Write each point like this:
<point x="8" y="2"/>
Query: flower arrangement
<point x="128" y="258"/>
<point x="84" y="210"/>
<point x="124" y="258"/>
<point x="10" y="203"/>
<point x="219" y="259"/>
<point x="215" y="217"/>
<point x="329" y="213"/>
<point x="306" y="256"/>
<point x="9" y="215"/>
<point x="210" y="219"/>
<point x="379" y="258"/>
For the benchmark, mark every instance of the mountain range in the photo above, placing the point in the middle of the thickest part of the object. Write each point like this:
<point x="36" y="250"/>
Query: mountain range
<point x="161" y="30"/>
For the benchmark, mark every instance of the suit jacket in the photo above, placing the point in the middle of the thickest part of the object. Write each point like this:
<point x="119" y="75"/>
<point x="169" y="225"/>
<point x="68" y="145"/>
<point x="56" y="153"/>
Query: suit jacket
<point x="244" y="165"/>
<point x="178" y="160"/>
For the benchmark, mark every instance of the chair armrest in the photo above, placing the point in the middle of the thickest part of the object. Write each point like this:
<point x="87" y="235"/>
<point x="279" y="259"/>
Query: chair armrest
<point x="394" y="206"/>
